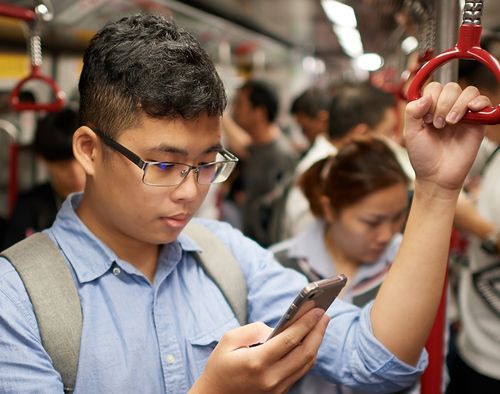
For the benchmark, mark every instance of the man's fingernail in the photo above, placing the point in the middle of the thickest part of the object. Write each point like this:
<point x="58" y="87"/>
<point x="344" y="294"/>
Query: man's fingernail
<point x="475" y="102"/>
<point x="452" y="117"/>
<point x="439" y="122"/>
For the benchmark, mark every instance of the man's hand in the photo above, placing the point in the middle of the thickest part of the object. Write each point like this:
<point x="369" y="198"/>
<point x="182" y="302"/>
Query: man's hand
<point x="441" y="147"/>
<point x="272" y="367"/>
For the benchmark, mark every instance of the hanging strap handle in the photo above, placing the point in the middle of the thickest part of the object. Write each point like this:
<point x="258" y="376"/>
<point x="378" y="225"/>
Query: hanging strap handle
<point x="468" y="47"/>
<point x="35" y="20"/>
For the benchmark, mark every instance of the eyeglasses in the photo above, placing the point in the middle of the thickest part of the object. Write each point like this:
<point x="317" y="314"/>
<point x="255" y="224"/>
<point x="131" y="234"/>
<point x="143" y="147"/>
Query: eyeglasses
<point x="157" y="173"/>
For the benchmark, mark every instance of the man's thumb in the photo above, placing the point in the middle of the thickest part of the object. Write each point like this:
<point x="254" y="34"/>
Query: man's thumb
<point x="416" y="110"/>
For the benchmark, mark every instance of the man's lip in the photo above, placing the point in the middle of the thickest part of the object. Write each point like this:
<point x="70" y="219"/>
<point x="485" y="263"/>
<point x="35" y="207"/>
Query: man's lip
<point x="177" y="218"/>
<point x="176" y="221"/>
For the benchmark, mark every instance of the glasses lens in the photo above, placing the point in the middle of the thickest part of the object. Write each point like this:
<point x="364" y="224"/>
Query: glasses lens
<point x="165" y="174"/>
<point x="215" y="172"/>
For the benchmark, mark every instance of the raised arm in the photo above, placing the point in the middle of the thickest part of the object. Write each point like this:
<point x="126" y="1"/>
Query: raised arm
<point x="442" y="150"/>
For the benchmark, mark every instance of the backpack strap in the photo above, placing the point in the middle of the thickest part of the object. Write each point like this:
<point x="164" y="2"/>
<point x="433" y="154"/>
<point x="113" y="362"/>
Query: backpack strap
<point x="56" y="304"/>
<point x="221" y="266"/>
<point x="52" y="292"/>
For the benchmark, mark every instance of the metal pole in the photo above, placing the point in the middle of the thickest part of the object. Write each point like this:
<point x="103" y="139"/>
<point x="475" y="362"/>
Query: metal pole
<point x="447" y="22"/>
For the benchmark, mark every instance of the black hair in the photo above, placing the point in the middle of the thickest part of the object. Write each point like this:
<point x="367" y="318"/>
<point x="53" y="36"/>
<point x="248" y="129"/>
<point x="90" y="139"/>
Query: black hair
<point x="363" y="166"/>
<point x="310" y="102"/>
<point x="354" y="104"/>
<point x="262" y="95"/>
<point x="54" y="135"/>
<point x="146" y="64"/>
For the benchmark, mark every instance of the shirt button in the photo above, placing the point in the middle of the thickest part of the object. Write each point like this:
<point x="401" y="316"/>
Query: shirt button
<point x="116" y="271"/>
<point x="170" y="359"/>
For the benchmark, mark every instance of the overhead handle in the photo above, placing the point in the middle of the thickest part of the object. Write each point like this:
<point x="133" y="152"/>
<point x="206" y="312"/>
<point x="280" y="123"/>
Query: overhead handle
<point x="35" y="19"/>
<point x="467" y="48"/>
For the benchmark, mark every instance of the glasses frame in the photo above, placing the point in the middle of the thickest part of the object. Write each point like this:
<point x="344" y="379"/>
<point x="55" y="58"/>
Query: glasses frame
<point x="144" y="164"/>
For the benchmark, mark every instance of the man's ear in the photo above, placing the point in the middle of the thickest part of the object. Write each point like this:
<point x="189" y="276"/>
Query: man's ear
<point x="359" y="129"/>
<point x="328" y="212"/>
<point x="323" y="115"/>
<point x="86" y="148"/>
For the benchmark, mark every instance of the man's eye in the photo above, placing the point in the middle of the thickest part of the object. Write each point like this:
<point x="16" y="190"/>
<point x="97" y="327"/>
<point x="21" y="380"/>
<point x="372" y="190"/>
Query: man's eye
<point x="165" y="166"/>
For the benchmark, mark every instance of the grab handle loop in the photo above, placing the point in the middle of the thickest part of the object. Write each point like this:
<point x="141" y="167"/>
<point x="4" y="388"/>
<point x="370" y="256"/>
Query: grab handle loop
<point x="468" y="47"/>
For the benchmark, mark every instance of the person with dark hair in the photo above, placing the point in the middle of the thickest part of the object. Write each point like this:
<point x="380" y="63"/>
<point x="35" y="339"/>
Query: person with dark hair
<point x="355" y="109"/>
<point x="474" y="363"/>
<point x="359" y="200"/>
<point x="270" y="160"/>
<point x="310" y="110"/>
<point x="36" y="208"/>
<point x="153" y="320"/>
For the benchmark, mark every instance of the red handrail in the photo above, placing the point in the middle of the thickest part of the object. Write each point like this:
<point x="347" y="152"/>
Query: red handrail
<point x="35" y="19"/>
<point x="36" y="73"/>
<point x="467" y="47"/>
<point x="17" y="12"/>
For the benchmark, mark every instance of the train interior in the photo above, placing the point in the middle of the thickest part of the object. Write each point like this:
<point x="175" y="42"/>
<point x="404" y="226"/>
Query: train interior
<point x="293" y="44"/>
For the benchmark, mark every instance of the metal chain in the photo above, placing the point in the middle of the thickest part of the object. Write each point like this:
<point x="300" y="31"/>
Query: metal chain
<point x="35" y="49"/>
<point x="473" y="10"/>
<point x="42" y="14"/>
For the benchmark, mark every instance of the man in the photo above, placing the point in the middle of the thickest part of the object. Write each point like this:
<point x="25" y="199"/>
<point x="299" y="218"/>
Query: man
<point x="310" y="110"/>
<point x="36" y="208"/>
<point x="270" y="159"/>
<point x="153" y="321"/>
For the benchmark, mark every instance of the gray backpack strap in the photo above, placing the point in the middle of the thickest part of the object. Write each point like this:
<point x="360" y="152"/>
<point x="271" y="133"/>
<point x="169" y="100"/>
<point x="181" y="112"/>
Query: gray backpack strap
<point x="51" y="289"/>
<point x="221" y="267"/>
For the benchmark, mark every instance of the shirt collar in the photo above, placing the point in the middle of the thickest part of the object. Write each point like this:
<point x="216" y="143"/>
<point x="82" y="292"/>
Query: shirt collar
<point x="310" y="246"/>
<point x="88" y="255"/>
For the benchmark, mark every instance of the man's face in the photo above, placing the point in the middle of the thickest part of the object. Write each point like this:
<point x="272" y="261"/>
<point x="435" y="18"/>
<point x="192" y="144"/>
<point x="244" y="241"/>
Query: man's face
<point x="126" y="207"/>
<point x="312" y="126"/>
<point x="243" y="112"/>
<point x="66" y="176"/>
<point x="388" y="123"/>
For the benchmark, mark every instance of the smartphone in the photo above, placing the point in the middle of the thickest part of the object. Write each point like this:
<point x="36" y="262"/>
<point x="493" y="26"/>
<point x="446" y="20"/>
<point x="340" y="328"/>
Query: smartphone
<point x="319" y="294"/>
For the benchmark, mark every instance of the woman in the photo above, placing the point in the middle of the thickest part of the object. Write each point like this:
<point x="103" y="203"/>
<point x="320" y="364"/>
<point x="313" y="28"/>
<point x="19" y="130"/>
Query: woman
<point x="359" y="198"/>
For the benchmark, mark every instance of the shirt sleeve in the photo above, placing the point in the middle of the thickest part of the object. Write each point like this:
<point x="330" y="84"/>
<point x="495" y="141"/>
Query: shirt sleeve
<point x="25" y="366"/>
<point x="350" y="354"/>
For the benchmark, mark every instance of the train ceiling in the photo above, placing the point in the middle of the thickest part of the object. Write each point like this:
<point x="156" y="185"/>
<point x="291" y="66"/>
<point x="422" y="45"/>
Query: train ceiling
<point x="276" y="28"/>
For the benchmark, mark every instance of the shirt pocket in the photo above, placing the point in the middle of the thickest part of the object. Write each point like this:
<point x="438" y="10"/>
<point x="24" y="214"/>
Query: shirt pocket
<point x="202" y="344"/>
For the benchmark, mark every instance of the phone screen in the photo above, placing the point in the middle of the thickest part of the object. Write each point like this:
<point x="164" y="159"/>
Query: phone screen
<point x="319" y="294"/>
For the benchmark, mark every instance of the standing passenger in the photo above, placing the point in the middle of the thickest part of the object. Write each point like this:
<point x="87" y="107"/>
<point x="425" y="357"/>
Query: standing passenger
<point x="359" y="198"/>
<point x="270" y="161"/>
<point x="355" y="109"/>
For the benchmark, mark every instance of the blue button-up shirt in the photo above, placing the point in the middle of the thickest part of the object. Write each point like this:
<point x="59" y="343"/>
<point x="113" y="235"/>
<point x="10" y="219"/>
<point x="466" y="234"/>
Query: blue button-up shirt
<point x="156" y="337"/>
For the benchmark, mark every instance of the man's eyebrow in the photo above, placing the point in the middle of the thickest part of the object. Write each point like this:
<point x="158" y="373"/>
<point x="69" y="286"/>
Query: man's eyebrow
<point x="163" y="148"/>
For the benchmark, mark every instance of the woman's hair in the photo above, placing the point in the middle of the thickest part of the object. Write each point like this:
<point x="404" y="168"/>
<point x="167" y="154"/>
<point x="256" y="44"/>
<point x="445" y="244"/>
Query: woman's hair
<point x="363" y="166"/>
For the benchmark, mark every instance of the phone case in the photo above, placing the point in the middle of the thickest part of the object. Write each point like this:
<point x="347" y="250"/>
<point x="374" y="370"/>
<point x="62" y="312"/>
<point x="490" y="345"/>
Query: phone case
<point x="319" y="294"/>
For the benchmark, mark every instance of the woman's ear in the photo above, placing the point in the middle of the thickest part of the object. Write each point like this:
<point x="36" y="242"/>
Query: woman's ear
<point x="328" y="211"/>
<point x="85" y="148"/>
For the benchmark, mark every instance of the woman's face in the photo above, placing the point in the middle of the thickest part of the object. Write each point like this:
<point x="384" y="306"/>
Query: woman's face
<point x="362" y="231"/>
